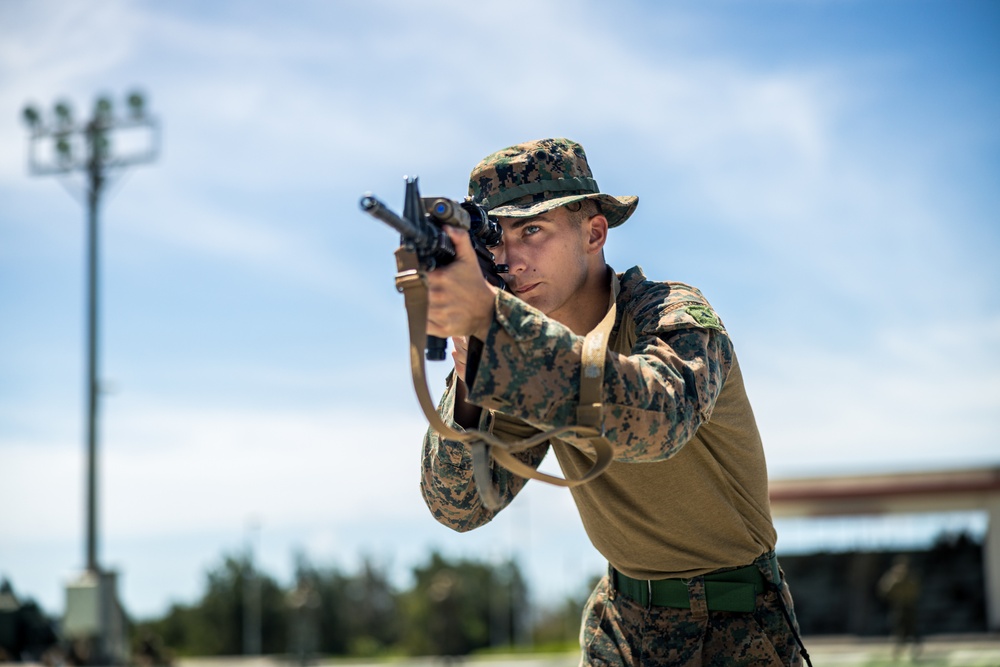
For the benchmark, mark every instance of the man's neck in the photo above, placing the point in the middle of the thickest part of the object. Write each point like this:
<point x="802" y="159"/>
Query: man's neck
<point x="591" y="305"/>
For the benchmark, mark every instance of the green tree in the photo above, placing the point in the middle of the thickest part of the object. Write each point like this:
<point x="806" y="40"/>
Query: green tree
<point x="559" y="625"/>
<point x="376" y="617"/>
<point x="456" y="607"/>
<point x="357" y="614"/>
<point x="215" y="625"/>
<point x="26" y="632"/>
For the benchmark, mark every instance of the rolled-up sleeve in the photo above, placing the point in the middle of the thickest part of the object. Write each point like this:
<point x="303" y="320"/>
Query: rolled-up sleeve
<point x="447" y="482"/>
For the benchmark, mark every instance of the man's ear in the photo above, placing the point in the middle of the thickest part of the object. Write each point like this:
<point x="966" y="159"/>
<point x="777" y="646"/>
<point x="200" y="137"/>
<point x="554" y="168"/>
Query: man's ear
<point x="598" y="233"/>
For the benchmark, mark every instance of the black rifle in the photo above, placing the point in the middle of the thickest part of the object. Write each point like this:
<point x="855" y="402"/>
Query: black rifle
<point x="421" y="229"/>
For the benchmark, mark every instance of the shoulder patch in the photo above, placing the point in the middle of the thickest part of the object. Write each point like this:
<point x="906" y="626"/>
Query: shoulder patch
<point x="704" y="316"/>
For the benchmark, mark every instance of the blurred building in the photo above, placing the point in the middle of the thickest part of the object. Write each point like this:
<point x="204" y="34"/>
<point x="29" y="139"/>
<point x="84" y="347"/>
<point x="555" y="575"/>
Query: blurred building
<point x="906" y="493"/>
<point x="95" y="626"/>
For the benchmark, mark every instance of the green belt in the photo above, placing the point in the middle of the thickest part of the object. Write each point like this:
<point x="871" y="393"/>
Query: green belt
<point x="732" y="590"/>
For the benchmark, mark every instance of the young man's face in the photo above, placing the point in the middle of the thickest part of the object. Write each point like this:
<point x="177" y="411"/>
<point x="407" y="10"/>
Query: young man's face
<point x="548" y="256"/>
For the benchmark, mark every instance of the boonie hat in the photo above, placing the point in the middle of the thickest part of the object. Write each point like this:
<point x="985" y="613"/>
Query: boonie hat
<point x="537" y="176"/>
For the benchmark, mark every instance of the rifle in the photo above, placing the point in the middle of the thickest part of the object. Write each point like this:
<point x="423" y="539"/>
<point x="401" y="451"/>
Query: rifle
<point x="425" y="246"/>
<point x="422" y="231"/>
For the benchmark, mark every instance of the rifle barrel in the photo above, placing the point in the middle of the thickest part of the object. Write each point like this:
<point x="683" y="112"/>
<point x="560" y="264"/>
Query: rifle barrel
<point x="375" y="208"/>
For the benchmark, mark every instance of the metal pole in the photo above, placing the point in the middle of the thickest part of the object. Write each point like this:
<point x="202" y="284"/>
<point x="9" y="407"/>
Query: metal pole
<point x="251" y="596"/>
<point x="96" y="181"/>
<point x="104" y="624"/>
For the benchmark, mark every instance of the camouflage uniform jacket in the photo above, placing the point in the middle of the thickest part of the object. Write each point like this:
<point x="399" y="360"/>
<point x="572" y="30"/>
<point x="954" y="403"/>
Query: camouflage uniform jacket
<point x="687" y="492"/>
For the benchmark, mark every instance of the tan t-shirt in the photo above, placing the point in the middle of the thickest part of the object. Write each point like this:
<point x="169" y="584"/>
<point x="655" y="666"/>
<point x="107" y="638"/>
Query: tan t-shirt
<point x="687" y="491"/>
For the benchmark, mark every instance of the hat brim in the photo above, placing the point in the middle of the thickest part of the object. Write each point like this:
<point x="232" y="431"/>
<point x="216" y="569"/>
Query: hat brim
<point x="616" y="209"/>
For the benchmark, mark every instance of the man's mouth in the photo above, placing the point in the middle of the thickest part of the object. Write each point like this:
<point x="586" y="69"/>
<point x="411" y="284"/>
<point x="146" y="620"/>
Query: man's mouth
<point x="524" y="289"/>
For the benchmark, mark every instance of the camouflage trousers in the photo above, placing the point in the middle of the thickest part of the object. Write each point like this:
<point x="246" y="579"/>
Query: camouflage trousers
<point x="618" y="631"/>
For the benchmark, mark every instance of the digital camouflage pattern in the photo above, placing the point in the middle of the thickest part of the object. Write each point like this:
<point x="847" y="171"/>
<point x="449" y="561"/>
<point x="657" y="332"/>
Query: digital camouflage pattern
<point x="673" y="401"/>
<point x="531" y="178"/>
<point x="692" y="637"/>
<point x="687" y="492"/>
<point x="652" y="408"/>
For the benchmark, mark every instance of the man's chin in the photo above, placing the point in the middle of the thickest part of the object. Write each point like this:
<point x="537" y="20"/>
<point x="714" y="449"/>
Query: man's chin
<point x="536" y="303"/>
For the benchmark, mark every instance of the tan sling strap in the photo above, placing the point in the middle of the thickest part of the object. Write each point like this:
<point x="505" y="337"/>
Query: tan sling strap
<point x="411" y="281"/>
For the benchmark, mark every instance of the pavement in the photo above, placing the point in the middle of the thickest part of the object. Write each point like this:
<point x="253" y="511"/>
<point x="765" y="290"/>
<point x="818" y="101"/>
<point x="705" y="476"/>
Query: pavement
<point x="936" y="651"/>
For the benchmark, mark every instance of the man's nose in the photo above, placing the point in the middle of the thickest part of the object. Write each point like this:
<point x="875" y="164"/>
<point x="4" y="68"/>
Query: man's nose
<point x="508" y="255"/>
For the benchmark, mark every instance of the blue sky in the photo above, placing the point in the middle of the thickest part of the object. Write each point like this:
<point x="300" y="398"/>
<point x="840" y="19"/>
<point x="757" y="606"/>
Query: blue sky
<point x="826" y="172"/>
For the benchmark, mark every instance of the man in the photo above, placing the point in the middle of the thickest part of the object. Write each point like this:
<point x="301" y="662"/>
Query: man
<point x="682" y="513"/>
<point x="900" y="588"/>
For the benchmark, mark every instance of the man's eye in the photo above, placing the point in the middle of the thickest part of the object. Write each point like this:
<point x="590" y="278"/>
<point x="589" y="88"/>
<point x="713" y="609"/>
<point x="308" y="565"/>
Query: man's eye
<point x="531" y="229"/>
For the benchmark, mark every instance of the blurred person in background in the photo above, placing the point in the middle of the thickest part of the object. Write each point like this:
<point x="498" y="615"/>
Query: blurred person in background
<point x="900" y="588"/>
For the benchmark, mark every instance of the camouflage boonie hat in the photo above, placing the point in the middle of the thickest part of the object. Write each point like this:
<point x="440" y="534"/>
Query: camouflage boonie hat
<point x="530" y="178"/>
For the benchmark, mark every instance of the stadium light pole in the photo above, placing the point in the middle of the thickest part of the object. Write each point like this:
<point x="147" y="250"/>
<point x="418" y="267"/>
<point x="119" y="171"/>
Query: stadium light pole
<point x="61" y="147"/>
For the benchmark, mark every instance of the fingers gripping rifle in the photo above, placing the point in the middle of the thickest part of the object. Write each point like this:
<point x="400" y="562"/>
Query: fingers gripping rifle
<point x="422" y="232"/>
<point x="424" y="247"/>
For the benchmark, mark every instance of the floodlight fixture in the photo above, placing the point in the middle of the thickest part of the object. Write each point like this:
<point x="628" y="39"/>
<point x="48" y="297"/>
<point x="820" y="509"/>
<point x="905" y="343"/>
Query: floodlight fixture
<point x="59" y="146"/>
<point x="31" y="116"/>
<point x="102" y="147"/>
<point x="86" y="148"/>
<point x="64" y="114"/>
<point x="103" y="110"/>
<point x="64" y="151"/>
<point x="136" y="104"/>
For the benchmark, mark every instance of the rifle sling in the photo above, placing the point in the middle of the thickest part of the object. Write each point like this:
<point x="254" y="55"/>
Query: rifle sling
<point x="412" y="282"/>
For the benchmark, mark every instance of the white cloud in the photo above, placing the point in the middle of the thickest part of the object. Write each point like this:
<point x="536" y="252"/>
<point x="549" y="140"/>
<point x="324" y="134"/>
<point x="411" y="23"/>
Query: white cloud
<point x="180" y="469"/>
<point x="297" y="108"/>
<point x="333" y="484"/>
<point x="917" y="397"/>
<point x="54" y="50"/>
